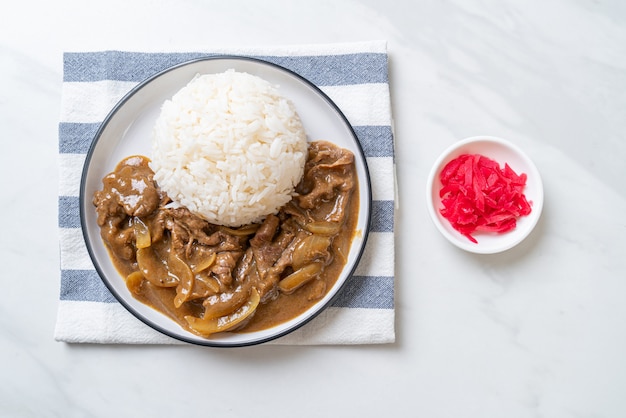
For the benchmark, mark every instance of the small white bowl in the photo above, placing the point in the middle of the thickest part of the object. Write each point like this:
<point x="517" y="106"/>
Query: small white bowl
<point x="502" y="152"/>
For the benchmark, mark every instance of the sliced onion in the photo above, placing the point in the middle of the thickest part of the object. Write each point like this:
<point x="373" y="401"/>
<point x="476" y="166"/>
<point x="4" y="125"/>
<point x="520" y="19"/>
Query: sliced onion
<point x="224" y="303"/>
<point x="210" y="282"/>
<point x="153" y="269"/>
<point x="180" y="269"/>
<point x="206" y="327"/>
<point x="142" y="233"/>
<point x="243" y="231"/>
<point x="311" y="248"/>
<point x="323" y="228"/>
<point x="205" y="263"/>
<point x="133" y="282"/>
<point x="299" y="277"/>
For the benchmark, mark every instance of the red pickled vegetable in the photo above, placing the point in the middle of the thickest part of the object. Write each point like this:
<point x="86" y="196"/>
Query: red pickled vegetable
<point x="480" y="196"/>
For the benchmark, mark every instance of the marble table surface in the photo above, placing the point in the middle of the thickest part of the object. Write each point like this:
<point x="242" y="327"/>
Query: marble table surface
<point x="537" y="331"/>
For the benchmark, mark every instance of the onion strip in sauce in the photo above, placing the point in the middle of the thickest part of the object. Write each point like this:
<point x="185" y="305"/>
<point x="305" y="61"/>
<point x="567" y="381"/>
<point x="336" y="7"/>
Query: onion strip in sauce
<point x="133" y="282"/>
<point x="243" y="231"/>
<point x="153" y="269"/>
<point x="299" y="277"/>
<point x="205" y="264"/>
<point x="323" y="227"/>
<point x="225" y="303"/>
<point x="206" y="327"/>
<point x="142" y="233"/>
<point x="311" y="248"/>
<point x="179" y="268"/>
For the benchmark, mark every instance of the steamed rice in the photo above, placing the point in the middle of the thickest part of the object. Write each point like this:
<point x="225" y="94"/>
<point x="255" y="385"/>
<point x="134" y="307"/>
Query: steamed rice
<point x="229" y="147"/>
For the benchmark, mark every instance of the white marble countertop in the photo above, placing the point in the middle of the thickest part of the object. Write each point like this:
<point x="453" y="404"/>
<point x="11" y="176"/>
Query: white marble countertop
<point x="537" y="331"/>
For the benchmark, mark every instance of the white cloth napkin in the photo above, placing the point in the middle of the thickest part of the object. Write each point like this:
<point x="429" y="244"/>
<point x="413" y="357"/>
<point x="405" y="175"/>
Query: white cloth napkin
<point x="353" y="75"/>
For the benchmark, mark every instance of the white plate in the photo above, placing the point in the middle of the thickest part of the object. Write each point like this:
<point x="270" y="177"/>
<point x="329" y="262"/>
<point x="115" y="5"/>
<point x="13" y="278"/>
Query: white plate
<point x="501" y="151"/>
<point x="127" y="130"/>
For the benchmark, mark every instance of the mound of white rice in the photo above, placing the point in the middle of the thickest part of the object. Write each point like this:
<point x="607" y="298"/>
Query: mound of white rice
<point x="229" y="147"/>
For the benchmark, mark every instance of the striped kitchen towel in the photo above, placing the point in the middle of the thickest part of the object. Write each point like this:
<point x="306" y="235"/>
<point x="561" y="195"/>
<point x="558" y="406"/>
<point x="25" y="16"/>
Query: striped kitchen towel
<point x="353" y="75"/>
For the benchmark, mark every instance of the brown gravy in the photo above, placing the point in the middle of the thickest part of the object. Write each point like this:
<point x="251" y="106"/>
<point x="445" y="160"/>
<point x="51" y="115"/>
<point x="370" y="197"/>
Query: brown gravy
<point x="209" y="278"/>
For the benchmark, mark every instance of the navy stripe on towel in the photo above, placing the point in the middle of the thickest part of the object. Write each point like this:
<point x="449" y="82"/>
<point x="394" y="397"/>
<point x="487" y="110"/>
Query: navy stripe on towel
<point x="370" y="292"/>
<point x="84" y="285"/>
<point x="382" y="216"/>
<point x="76" y="138"/>
<point x="376" y="141"/>
<point x="323" y="70"/>
<point x="69" y="214"/>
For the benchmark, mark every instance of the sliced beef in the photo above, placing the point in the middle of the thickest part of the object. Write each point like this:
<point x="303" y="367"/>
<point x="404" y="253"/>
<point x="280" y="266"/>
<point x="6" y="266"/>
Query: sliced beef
<point x="327" y="183"/>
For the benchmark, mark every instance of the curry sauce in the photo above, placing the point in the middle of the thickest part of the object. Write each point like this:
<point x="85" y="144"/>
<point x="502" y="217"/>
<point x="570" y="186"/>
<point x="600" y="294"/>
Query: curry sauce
<point x="210" y="278"/>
